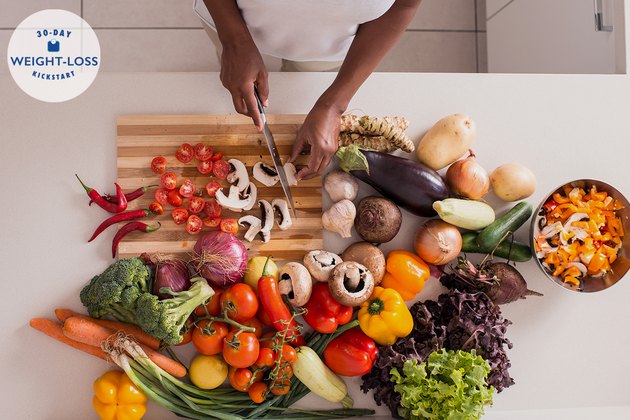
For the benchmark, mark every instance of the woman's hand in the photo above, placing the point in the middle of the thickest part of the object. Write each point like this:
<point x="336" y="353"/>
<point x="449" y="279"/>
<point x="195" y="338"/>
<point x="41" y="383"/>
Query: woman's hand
<point x="241" y="67"/>
<point x="320" y="134"/>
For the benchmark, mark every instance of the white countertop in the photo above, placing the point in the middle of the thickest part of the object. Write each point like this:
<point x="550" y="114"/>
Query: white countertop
<point x="570" y="350"/>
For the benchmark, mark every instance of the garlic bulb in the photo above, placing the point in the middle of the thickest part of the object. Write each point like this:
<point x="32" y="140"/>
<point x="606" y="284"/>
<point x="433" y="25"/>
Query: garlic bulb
<point x="340" y="217"/>
<point x="340" y="185"/>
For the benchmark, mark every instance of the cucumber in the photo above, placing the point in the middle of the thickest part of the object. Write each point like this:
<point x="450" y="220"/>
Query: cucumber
<point x="518" y="252"/>
<point x="490" y="236"/>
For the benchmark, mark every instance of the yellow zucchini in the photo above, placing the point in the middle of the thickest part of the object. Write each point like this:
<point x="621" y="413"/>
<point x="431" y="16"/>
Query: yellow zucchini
<point x="467" y="214"/>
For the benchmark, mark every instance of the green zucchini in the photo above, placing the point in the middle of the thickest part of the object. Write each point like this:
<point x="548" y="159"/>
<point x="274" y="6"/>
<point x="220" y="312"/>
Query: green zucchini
<point x="492" y="234"/>
<point x="509" y="250"/>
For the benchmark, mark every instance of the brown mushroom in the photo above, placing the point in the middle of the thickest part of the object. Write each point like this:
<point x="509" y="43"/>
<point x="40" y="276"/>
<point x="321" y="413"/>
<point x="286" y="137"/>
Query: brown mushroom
<point x="370" y="256"/>
<point x="351" y="283"/>
<point x="295" y="282"/>
<point x="321" y="263"/>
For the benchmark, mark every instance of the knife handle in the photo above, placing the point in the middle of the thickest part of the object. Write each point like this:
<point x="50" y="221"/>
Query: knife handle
<point x="260" y="106"/>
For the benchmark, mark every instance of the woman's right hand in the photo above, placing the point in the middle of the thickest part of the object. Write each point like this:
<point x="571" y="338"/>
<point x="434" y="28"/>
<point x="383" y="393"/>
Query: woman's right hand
<point x="242" y="66"/>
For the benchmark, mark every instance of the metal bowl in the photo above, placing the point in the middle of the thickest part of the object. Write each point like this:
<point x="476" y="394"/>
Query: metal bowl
<point x="619" y="266"/>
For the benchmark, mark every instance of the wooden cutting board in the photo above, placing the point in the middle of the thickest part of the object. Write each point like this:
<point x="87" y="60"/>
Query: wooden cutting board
<point x="142" y="137"/>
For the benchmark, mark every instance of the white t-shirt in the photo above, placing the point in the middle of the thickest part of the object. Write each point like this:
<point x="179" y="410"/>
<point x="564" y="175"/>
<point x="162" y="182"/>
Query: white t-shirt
<point x="304" y="30"/>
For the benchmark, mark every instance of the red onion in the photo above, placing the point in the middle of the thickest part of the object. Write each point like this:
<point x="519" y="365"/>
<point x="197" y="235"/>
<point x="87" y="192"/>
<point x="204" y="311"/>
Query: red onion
<point x="220" y="258"/>
<point x="172" y="274"/>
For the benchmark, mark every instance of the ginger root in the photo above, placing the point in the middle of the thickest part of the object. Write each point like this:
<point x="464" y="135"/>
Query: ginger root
<point x="382" y="134"/>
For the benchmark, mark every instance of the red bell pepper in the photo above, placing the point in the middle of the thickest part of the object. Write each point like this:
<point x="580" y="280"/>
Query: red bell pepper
<point x="351" y="354"/>
<point x="323" y="313"/>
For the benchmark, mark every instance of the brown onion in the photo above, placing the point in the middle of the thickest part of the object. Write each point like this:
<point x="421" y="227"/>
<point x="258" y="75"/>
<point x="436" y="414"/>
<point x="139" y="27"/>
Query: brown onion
<point x="467" y="178"/>
<point x="438" y="242"/>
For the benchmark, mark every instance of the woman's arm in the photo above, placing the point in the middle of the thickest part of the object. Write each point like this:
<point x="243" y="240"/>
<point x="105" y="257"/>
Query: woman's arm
<point x="372" y="41"/>
<point x="241" y="62"/>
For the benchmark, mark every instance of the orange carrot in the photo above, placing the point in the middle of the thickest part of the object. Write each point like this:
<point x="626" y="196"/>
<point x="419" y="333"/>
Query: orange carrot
<point x="54" y="330"/>
<point x="88" y="332"/>
<point x="130" y="329"/>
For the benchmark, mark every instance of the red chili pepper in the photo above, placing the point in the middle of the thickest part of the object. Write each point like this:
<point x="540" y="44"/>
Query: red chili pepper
<point x="130" y="215"/>
<point x="275" y="308"/>
<point x="130" y="227"/>
<point x="323" y="312"/>
<point x="129" y="196"/>
<point x="351" y="354"/>
<point x="121" y="205"/>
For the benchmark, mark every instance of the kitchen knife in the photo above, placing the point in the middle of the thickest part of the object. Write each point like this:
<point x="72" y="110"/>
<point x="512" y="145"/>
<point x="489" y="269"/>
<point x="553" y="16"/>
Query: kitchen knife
<point x="275" y="156"/>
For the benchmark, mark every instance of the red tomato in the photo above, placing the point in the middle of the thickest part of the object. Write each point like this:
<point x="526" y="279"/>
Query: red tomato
<point x="213" y="307"/>
<point x="288" y="353"/>
<point x="240" y="302"/>
<point x="174" y="199"/>
<point x="156" y="208"/>
<point x="212" y="187"/>
<point x="241" y="351"/>
<point x="169" y="180"/>
<point x="280" y="387"/>
<point x="216" y="156"/>
<point x="187" y="189"/>
<point x="193" y="224"/>
<point x="203" y="152"/>
<point x="205" y="167"/>
<point x="251" y="322"/>
<point x="239" y="378"/>
<point x="229" y="226"/>
<point x="179" y="216"/>
<point x="220" y="169"/>
<point x="266" y="357"/>
<point x="158" y="165"/>
<point x="213" y="209"/>
<point x="196" y="204"/>
<point x="189" y="326"/>
<point x="161" y="196"/>
<point x="185" y="153"/>
<point x="258" y="392"/>
<point x="211" y="223"/>
<point x="209" y="338"/>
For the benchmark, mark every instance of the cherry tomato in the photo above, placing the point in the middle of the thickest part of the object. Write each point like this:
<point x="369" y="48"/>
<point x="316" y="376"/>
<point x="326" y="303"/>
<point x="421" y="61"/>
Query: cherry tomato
<point x="203" y="152"/>
<point x="211" y="223"/>
<point x="212" y="187"/>
<point x="212" y="307"/>
<point x="220" y="169"/>
<point x="258" y="392"/>
<point x="179" y="216"/>
<point x="158" y="165"/>
<point x="241" y="351"/>
<point x="189" y="326"/>
<point x="205" y="167"/>
<point x="240" y="378"/>
<point x="213" y="209"/>
<point x="185" y="153"/>
<point x="285" y="371"/>
<point x="209" y="338"/>
<point x="187" y="189"/>
<point x="216" y="156"/>
<point x="169" y="180"/>
<point x="229" y="226"/>
<point x="196" y="205"/>
<point x="280" y="387"/>
<point x="156" y="208"/>
<point x="251" y="322"/>
<point x="239" y="302"/>
<point x="161" y="196"/>
<point x="193" y="224"/>
<point x="266" y="357"/>
<point x="288" y="353"/>
<point x="174" y="199"/>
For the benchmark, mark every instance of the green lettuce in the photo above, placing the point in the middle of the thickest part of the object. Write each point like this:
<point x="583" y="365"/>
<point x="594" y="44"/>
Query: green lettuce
<point x="450" y="385"/>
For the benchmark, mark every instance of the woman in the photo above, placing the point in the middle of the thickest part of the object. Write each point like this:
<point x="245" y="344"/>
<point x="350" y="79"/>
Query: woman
<point x="309" y="35"/>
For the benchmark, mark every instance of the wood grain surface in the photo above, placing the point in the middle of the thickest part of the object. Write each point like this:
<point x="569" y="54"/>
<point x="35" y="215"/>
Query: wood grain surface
<point x="142" y="137"/>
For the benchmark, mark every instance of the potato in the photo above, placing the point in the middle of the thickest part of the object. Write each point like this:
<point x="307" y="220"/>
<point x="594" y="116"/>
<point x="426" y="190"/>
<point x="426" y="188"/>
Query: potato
<point x="512" y="182"/>
<point x="446" y="141"/>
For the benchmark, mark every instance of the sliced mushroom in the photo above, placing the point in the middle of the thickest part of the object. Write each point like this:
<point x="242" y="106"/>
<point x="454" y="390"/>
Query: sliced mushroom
<point x="239" y="175"/>
<point x="266" y="218"/>
<point x="321" y="263"/>
<point x="254" y="226"/>
<point x="295" y="282"/>
<point x="232" y="201"/>
<point x="291" y="172"/>
<point x="351" y="283"/>
<point x="265" y="174"/>
<point x="280" y="205"/>
<point x="250" y="193"/>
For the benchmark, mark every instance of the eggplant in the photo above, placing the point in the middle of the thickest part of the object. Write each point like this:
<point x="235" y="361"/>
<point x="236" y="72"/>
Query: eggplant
<point x="409" y="184"/>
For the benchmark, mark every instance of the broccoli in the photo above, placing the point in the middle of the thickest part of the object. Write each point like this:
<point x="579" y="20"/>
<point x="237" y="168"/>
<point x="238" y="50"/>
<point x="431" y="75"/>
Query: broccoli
<point x="165" y="319"/>
<point x="116" y="290"/>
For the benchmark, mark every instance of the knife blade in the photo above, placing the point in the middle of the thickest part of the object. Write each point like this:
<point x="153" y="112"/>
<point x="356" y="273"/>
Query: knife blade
<point x="275" y="156"/>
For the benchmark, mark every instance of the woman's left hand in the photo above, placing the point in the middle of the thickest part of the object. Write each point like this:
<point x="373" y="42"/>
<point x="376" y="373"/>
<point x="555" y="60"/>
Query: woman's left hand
<point x="320" y="134"/>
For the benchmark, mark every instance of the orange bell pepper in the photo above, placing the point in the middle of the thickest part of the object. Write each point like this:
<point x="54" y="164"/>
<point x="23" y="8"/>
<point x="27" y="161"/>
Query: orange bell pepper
<point x="405" y="273"/>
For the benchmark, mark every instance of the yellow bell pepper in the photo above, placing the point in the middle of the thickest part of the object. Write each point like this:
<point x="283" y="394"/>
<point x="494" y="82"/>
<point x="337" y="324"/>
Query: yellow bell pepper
<point x="117" y="398"/>
<point x="384" y="317"/>
<point x="405" y="273"/>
